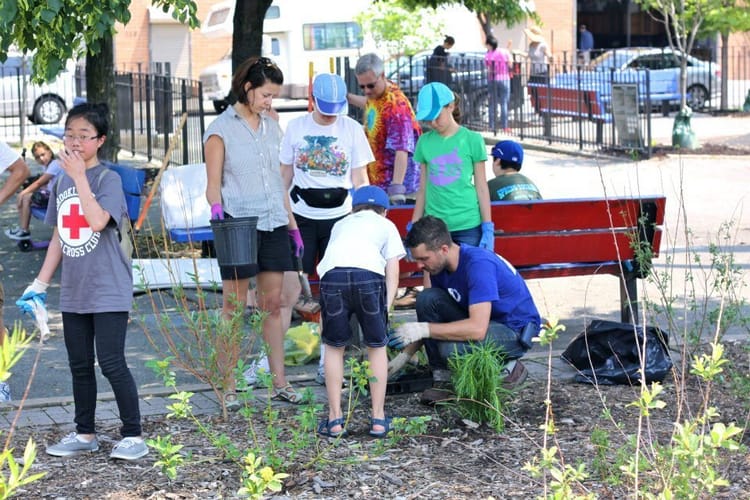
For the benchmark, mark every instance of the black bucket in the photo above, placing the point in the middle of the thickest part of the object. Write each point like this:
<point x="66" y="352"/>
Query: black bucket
<point x="236" y="241"/>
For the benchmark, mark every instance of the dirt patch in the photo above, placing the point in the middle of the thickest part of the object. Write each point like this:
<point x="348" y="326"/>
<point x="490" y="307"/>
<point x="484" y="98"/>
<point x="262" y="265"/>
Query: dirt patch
<point x="451" y="459"/>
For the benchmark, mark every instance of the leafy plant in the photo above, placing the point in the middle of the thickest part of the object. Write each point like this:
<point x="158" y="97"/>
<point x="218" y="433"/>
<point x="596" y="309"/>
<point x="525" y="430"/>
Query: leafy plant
<point x="477" y="380"/>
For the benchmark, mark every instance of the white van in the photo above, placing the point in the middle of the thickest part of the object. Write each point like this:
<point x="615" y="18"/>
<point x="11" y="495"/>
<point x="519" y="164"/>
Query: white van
<point x="46" y="103"/>
<point x="294" y="38"/>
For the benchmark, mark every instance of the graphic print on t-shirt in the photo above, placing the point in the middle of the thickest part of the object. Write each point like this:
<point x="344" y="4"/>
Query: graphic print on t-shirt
<point x="445" y="169"/>
<point x="76" y="236"/>
<point x="321" y="156"/>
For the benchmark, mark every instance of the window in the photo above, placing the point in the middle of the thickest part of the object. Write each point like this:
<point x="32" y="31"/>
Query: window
<point x="273" y="12"/>
<point x="327" y="36"/>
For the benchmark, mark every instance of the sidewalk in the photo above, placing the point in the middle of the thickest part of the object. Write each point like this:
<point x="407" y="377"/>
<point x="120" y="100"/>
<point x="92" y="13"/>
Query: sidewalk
<point x="713" y="189"/>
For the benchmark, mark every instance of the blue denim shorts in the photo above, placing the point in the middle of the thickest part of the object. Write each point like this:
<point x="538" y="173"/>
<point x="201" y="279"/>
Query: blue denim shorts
<point x="471" y="236"/>
<point x="348" y="290"/>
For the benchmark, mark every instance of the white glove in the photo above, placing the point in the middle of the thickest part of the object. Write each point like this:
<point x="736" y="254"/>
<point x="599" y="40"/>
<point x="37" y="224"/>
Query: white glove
<point x="397" y="364"/>
<point x="36" y="288"/>
<point x="408" y="333"/>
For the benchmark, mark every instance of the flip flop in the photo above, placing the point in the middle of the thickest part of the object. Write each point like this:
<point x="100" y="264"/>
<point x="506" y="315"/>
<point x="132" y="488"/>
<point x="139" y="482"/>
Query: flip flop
<point x="324" y="428"/>
<point x="288" y="394"/>
<point x="384" y="422"/>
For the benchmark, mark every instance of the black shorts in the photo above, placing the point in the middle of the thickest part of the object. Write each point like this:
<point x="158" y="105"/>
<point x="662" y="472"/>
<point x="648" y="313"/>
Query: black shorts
<point x="315" y="235"/>
<point x="274" y="254"/>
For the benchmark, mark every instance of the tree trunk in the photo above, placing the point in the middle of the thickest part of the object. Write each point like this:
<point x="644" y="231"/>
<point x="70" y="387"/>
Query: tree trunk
<point x="100" y="87"/>
<point x="247" y="39"/>
<point x="724" y="71"/>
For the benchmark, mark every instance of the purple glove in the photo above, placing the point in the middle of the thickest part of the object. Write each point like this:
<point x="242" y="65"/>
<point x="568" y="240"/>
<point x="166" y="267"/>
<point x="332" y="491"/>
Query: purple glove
<point x="297" y="245"/>
<point x="396" y="194"/>
<point x="217" y="212"/>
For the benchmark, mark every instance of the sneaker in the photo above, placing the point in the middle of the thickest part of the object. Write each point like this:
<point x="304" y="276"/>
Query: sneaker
<point x="257" y="365"/>
<point x="4" y="392"/>
<point x="408" y="300"/>
<point x="438" y="393"/>
<point x="72" y="445"/>
<point x="17" y="234"/>
<point x="514" y="376"/>
<point x="130" y="448"/>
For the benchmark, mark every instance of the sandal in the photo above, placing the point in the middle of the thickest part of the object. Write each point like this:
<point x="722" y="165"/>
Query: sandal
<point x="287" y="394"/>
<point x="324" y="428"/>
<point x="384" y="422"/>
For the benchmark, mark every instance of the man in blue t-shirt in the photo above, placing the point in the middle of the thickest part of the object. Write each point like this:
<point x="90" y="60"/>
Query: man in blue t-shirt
<point x="476" y="297"/>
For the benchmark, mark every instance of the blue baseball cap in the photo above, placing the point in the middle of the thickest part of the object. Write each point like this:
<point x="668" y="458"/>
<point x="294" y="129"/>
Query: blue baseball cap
<point x="370" y="195"/>
<point x="329" y="92"/>
<point x="432" y="98"/>
<point x="509" y="151"/>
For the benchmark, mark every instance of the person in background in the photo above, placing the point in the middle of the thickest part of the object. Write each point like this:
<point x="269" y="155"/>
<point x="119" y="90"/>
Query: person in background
<point x="476" y="298"/>
<point x="438" y="69"/>
<point x="585" y="45"/>
<point x="498" y="62"/>
<point x="37" y="193"/>
<point x="509" y="184"/>
<point x="391" y="128"/>
<point x="359" y="275"/>
<point x="96" y="283"/>
<point x="538" y="55"/>
<point x="323" y="156"/>
<point x="243" y="180"/>
<point x="9" y="161"/>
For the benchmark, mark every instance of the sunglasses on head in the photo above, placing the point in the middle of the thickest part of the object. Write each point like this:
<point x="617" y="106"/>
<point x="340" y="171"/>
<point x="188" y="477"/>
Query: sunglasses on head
<point x="263" y="61"/>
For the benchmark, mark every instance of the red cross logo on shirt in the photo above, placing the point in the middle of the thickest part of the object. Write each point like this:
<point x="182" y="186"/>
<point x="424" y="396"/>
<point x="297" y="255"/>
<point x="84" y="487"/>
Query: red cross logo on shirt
<point x="74" y="221"/>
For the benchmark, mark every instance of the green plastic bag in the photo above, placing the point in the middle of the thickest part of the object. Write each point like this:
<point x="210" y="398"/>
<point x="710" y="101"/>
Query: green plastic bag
<point x="302" y="344"/>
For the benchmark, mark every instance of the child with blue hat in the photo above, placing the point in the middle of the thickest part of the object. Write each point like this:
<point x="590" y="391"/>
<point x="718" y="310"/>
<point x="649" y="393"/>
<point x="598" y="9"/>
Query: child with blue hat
<point x="509" y="184"/>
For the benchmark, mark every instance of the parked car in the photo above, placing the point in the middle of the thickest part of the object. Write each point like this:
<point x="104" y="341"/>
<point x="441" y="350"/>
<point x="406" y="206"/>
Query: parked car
<point x="217" y="82"/>
<point x="46" y="103"/>
<point x="467" y="71"/>
<point x="626" y="65"/>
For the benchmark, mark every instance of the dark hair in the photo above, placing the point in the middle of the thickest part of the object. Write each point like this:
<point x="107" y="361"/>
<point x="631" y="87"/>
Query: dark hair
<point x="456" y="108"/>
<point x="257" y="71"/>
<point x="510" y="164"/>
<point x="369" y="206"/>
<point x="96" y="114"/>
<point x="430" y="231"/>
<point x="492" y="42"/>
<point x="449" y="40"/>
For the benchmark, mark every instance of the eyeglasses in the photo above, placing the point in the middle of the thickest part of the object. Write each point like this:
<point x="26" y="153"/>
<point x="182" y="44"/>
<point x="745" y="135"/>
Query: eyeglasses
<point x="79" y="138"/>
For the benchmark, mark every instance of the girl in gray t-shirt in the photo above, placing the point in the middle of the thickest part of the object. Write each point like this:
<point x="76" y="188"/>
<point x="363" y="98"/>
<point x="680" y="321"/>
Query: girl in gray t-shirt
<point x="85" y="208"/>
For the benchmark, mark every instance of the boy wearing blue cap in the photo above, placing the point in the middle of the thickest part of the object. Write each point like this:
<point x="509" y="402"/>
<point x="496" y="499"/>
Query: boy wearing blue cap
<point x="359" y="275"/>
<point x="509" y="184"/>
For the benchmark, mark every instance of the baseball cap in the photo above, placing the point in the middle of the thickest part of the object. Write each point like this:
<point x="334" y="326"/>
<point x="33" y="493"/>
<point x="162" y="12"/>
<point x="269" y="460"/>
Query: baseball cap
<point x="370" y="195"/>
<point x="431" y="100"/>
<point x="329" y="92"/>
<point x="509" y="151"/>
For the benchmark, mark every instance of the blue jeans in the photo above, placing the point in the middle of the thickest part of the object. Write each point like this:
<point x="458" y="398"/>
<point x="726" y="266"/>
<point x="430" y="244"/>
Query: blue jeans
<point x="499" y="94"/>
<point x="101" y="335"/>
<point x="471" y="236"/>
<point x="435" y="305"/>
<point x="349" y="290"/>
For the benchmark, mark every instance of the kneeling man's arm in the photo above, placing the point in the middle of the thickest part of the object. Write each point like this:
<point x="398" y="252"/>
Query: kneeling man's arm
<point x="472" y="328"/>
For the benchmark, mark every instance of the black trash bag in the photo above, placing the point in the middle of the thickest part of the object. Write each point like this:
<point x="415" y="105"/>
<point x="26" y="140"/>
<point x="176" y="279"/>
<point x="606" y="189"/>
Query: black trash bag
<point x="608" y="352"/>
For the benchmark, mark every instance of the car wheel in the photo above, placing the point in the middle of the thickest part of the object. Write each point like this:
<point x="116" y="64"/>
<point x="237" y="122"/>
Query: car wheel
<point x="697" y="97"/>
<point x="220" y="105"/>
<point x="48" y="109"/>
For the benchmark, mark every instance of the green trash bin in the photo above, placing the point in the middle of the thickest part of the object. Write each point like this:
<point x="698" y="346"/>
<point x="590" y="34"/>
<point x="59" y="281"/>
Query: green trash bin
<point x="683" y="136"/>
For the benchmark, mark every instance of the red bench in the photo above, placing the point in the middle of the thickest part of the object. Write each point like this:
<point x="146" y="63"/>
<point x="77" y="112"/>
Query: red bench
<point x="572" y="237"/>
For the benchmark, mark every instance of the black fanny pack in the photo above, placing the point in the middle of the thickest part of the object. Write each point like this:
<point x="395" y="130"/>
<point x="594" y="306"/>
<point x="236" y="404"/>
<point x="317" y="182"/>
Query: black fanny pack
<point x="320" y="198"/>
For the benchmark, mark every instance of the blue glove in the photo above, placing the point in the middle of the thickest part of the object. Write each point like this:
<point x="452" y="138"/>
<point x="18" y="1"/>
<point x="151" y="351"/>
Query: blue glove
<point x="408" y="226"/>
<point x="488" y="236"/>
<point x="37" y="291"/>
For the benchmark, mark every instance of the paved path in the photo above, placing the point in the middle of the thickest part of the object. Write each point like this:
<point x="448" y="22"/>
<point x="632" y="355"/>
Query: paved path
<point x="712" y="190"/>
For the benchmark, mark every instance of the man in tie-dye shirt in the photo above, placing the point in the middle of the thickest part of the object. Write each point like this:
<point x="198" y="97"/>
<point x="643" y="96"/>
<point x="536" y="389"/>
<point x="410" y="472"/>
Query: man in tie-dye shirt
<point x="391" y="128"/>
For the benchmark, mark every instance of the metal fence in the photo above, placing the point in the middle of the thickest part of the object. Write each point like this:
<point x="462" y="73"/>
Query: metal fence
<point x="149" y="108"/>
